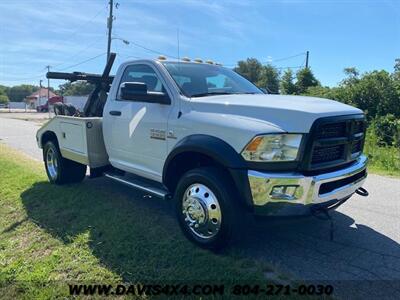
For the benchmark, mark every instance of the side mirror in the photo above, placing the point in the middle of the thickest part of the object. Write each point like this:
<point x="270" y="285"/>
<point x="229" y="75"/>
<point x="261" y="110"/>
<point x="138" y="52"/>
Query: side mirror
<point x="137" y="91"/>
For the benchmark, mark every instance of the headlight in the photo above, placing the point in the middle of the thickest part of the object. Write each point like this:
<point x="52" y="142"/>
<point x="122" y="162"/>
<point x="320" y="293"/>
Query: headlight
<point x="273" y="147"/>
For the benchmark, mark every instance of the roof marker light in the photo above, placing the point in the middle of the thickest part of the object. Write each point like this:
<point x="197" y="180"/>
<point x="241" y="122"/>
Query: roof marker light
<point x="161" y="57"/>
<point x="187" y="59"/>
<point x="198" y="60"/>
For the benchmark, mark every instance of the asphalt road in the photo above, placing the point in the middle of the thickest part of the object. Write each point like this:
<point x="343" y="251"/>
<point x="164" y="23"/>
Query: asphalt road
<point x="20" y="134"/>
<point x="362" y="261"/>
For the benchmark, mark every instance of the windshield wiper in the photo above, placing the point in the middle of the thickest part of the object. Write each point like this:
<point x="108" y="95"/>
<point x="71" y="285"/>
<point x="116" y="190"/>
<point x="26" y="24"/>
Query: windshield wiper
<point x="211" y="94"/>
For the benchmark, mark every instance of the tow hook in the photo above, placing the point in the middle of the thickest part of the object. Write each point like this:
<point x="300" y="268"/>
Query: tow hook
<point x="362" y="192"/>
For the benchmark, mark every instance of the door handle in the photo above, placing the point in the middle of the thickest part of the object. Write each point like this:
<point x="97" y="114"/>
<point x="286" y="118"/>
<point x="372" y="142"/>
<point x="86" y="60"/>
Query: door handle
<point x="115" y="113"/>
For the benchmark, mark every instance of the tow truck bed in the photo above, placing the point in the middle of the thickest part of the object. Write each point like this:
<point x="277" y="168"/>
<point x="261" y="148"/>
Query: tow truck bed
<point x="80" y="139"/>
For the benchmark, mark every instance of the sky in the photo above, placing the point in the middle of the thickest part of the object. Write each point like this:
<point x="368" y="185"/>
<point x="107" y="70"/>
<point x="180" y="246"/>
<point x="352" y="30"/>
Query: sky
<point x="71" y="35"/>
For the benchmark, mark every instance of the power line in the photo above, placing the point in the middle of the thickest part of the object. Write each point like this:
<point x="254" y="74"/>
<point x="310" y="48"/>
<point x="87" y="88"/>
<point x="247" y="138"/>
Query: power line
<point x="274" y="60"/>
<point x="144" y="47"/>
<point x="295" y="67"/>
<point x="279" y="68"/>
<point x="79" y="28"/>
<point x="52" y="48"/>
<point x="23" y="79"/>
<point x="82" y="62"/>
<point x="151" y="50"/>
<point x="287" y="57"/>
<point x="44" y="74"/>
<point x="129" y="56"/>
<point x="75" y="32"/>
<point x="77" y="53"/>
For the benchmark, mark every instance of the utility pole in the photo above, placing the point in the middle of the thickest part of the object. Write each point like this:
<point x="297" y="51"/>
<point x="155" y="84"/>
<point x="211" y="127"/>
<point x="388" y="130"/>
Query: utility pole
<point x="48" y="90"/>
<point x="109" y="26"/>
<point x="40" y="90"/>
<point x="307" y="54"/>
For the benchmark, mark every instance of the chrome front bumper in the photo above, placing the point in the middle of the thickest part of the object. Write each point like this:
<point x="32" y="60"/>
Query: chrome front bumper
<point x="320" y="190"/>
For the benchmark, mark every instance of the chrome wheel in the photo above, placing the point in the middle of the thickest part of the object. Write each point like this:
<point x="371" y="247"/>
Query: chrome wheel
<point x="52" y="163"/>
<point x="201" y="211"/>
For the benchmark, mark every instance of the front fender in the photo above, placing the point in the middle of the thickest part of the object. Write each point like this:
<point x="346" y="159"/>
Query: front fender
<point x="211" y="146"/>
<point x="220" y="152"/>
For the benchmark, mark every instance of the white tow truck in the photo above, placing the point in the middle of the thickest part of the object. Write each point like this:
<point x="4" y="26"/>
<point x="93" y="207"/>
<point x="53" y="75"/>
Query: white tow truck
<point x="207" y="139"/>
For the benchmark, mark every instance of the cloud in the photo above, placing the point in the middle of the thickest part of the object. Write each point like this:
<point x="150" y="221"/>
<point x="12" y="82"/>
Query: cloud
<point x="64" y="32"/>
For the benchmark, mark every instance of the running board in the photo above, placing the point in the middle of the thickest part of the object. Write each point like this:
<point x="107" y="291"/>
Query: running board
<point x="145" y="185"/>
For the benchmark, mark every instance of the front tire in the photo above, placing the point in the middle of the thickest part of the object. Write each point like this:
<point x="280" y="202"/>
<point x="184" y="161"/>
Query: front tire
<point x="207" y="207"/>
<point x="59" y="169"/>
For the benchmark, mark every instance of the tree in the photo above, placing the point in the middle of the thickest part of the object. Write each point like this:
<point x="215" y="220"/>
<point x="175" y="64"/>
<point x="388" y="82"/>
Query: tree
<point x="287" y="85"/>
<point x="3" y="99"/>
<point x="351" y="72"/>
<point x="250" y="68"/>
<point x="321" y="92"/>
<point x="397" y="65"/>
<point x="79" y="88"/>
<point x="396" y="73"/>
<point x="4" y="89"/>
<point x="351" y="76"/>
<point x="269" y="79"/>
<point x="19" y="92"/>
<point x="3" y="94"/>
<point x="376" y="94"/>
<point x="305" y="79"/>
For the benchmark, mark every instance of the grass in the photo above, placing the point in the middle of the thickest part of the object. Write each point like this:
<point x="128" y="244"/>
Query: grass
<point x="382" y="160"/>
<point x="91" y="233"/>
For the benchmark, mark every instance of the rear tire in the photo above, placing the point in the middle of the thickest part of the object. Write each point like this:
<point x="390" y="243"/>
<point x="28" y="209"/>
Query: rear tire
<point x="61" y="170"/>
<point x="207" y="208"/>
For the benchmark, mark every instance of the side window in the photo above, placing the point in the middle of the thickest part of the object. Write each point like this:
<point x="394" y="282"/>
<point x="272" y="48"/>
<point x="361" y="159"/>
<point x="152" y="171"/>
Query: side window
<point x="145" y="74"/>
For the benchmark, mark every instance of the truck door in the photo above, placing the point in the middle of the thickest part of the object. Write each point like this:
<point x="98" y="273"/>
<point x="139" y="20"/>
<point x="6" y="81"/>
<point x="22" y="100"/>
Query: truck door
<point x="135" y="132"/>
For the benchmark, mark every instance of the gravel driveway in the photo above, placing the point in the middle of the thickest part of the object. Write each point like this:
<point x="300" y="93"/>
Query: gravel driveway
<point x="363" y="260"/>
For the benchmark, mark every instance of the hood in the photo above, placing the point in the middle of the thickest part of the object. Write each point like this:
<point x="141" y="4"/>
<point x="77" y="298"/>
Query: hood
<point x="289" y="113"/>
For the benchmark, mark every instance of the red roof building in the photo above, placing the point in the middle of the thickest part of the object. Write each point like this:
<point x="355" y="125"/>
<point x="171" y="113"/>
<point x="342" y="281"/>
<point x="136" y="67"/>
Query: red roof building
<point x="38" y="98"/>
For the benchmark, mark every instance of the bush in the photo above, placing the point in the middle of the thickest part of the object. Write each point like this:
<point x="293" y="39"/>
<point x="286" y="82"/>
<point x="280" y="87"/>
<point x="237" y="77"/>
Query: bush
<point x="382" y="159"/>
<point x="387" y="130"/>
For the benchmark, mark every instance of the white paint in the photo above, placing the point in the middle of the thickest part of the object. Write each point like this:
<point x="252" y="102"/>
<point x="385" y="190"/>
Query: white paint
<point x="73" y="136"/>
<point x="135" y="120"/>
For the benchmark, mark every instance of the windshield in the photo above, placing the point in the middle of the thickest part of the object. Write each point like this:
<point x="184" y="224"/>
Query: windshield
<point x="199" y="80"/>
